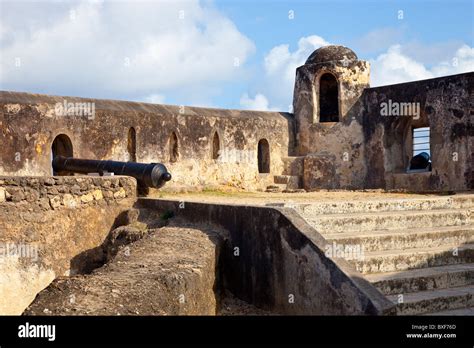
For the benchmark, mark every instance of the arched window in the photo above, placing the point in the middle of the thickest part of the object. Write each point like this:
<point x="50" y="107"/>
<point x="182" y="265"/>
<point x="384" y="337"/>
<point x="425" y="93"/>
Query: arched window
<point x="61" y="146"/>
<point x="263" y="156"/>
<point x="328" y="99"/>
<point x="132" y="145"/>
<point x="216" y="146"/>
<point x="173" y="147"/>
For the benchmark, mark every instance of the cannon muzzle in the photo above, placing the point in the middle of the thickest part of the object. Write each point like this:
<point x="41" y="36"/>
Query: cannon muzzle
<point x="148" y="175"/>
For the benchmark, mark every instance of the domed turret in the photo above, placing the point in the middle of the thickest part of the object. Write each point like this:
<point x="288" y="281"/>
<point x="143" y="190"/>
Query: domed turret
<point x="331" y="53"/>
<point x="326" y="88"/>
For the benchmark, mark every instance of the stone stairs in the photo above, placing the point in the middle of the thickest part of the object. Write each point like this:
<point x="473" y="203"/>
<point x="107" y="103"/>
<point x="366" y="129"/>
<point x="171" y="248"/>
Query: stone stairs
<point x="291" y="178"/>
<point x="418" y="252"/>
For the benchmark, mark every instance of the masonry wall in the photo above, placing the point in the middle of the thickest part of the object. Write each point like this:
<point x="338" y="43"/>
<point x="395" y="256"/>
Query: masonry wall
<point x="29" y="124"/>
<point x="334" y="150"/>
<point x="47" y="223"/>
<point x="368" y="150"/>
<point x="274" y="260"/>
<point x="446" y="106"/>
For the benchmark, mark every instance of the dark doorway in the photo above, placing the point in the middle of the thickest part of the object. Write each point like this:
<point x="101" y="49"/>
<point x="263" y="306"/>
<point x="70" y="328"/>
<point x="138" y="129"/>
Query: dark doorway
<point x="173" y="147"/>
<point x="263" y="156"/>
<point x="62" y="146"/>
<point x="328" y="99"/>
<point x="132" y="145"/>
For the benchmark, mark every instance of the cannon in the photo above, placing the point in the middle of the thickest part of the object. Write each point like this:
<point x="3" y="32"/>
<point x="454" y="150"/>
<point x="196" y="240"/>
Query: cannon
<point x="420" y="161"/>
<point x="148" y="175"/>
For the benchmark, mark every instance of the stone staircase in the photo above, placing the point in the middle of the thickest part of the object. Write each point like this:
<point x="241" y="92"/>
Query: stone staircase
<point x="291" y="178"/>
<point x="418" y="252"/>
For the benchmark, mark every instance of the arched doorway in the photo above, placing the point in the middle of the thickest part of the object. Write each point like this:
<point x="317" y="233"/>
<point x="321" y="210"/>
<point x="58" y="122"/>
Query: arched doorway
<point x="263" y="156"/>
<point x="61" y="146"/>
<point x="173" y="147"/>
<point x="216" y="146"/>
<point x="328" y="99"/>
<point x="132" y="145"/>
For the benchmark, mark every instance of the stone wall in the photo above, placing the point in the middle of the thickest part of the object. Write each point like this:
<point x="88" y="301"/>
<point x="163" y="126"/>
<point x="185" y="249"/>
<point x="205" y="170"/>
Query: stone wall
<point x="446" y="106"/>
<point x="46" y="223"/>
<point x="274" y="260"/>
<point x="335" y="150"/>
<point x="29" y="124"/>
<point x="161" y="279"/>
<point x="363" y="150"/>
<point x="366" y="149"/>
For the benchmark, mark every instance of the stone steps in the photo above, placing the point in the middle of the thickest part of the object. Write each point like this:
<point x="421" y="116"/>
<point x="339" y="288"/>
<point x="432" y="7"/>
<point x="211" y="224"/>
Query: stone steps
<point x="392" y="204"/>
<point x="433" y="300"/>
<point x="460" y="311"/>
<point x="292" y="182"/>
<point x="406" y="238"/>
<point x="442" y="277"/>
<point x="291" y="178"/>
<point x="406" y="259"/>
<point x="420" y="250"/>
<point x="276" y="188"/>
<point x="389" y="220"/>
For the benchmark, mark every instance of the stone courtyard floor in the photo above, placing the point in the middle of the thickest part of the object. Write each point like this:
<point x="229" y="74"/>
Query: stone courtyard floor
<point x="262" y="198"/>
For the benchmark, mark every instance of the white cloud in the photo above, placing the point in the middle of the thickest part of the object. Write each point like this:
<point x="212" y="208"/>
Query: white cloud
<point x="259" y="102"/>
<point x="394" y="66"/>
<point x="280" y="68"/>
<point x="281" y="62"/>
<point x="398" y="64"/>
<point x="463" y="61"/>
<point x="122" y="49"/>
<point x="429" y="53"/>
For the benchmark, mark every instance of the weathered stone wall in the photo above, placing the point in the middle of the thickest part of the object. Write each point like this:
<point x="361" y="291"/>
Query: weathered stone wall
<point x="46" y="223"/>
<point x="335" y="149"/>
<point x="274" y="260"/>
<point x="446" y="106"/>
<point x="368" y="150"/>
<point x="161" y="279"/>
<point x="29" y="124"/>
<point x="363" y="150"/>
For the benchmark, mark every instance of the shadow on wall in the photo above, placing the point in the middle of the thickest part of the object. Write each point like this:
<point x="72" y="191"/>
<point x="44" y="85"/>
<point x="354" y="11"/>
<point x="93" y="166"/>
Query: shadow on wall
<point x="128" y="227"/>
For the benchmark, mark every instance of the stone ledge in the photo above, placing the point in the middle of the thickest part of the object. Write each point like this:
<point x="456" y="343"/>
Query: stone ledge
<point x="45" y="193"/>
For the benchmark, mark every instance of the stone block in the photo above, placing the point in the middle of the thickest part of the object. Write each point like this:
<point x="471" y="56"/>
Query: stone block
<point x="320" y="172"/>
<point x="55" y="202"/>
<point x="88" y="197"/>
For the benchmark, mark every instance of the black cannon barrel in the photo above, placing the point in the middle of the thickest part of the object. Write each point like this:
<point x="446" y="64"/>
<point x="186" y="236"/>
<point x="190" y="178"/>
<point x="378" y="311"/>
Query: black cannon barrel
<point x="148" y="175"/>
<point x="420" y="161"/>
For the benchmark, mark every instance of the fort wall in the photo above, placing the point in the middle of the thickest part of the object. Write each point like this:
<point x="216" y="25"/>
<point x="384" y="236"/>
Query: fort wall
<point x="183" y="138"/>
<point x="49" y="226"/>
<point x="446" y="107"/>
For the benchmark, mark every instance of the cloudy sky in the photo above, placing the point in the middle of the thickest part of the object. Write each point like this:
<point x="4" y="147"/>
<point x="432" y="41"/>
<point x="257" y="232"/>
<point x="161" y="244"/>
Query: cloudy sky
<point x="228" y="54"/>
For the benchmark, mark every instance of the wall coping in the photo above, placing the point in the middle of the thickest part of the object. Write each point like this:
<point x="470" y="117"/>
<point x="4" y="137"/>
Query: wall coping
<point x="11" y="97"/>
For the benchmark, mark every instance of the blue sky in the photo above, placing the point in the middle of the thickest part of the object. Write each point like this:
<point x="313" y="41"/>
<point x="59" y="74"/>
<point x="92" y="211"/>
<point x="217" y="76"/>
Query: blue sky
<point x="228" y="54"/>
